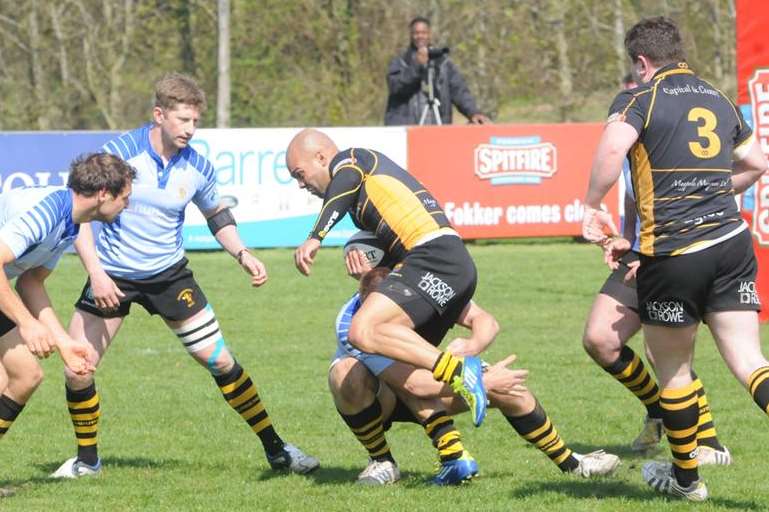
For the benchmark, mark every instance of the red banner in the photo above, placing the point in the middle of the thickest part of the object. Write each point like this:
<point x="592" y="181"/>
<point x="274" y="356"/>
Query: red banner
<point x="753" y="89"/>
<point x="497" y="181"/>
<point x="752" y="43"/>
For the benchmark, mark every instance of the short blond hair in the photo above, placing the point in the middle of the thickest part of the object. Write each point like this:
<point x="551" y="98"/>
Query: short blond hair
<point x="175" y="88"/>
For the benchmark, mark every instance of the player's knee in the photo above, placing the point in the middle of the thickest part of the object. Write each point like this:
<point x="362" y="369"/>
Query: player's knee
<point x="24" y="384"/>
<point x="598" y="346"/>
<point x="351" y="383"/>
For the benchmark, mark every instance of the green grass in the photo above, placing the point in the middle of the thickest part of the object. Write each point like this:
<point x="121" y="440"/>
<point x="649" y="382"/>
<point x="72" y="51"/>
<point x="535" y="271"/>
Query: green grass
<point x="170" y="443"/>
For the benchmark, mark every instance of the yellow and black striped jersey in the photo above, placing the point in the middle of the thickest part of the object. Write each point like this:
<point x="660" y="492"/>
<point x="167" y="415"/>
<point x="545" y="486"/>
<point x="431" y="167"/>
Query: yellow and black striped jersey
<point x="381" y="197"/>
<point x="681" y="164"/>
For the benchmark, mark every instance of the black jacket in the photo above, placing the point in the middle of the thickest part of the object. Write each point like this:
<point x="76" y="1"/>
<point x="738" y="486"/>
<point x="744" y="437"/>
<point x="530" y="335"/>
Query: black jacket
<point x="406" y="100"/>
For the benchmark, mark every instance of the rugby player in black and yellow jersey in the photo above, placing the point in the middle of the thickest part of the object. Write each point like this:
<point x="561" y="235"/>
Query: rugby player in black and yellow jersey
<point x="434" y="278"/>
<point x="690" y="152"/>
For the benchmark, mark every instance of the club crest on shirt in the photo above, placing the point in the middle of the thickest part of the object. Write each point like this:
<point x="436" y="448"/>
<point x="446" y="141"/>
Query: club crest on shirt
<point x="186" y="297"/>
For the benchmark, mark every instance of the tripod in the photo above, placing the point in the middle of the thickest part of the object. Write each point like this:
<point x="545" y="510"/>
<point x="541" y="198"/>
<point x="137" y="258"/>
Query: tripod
<point x="432" y="102"/>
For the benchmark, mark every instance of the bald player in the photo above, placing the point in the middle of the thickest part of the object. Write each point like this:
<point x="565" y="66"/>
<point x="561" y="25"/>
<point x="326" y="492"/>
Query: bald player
<point x="434" y="278"/>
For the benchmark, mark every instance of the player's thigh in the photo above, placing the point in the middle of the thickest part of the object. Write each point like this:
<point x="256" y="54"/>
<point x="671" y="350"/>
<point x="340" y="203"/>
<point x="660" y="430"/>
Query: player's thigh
<point x="380" y="309"/>
<point x="738" y="340"/>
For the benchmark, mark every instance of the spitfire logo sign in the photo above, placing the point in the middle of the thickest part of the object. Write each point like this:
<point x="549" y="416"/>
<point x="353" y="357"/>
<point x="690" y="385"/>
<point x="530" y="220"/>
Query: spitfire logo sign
<point x="515" y="160"/>
<point x="758" y="87"/>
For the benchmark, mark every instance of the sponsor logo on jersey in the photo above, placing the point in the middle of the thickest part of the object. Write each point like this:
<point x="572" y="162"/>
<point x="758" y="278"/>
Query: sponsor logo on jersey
<point x="436" y="288"/>
<point x="515" y="160"/>
<point x="329" y="224"/>
<point x="668" y="311"/>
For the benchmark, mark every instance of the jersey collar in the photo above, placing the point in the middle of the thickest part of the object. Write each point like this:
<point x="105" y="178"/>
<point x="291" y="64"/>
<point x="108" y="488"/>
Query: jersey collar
<point x="341" y="158"/>
<point x="676" y="68"/>
<point x="164" y="172"/>
<point x="70" y="228"/>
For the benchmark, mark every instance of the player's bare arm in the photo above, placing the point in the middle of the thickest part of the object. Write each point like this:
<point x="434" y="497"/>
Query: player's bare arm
<point x="617" y="139"/>
<point x="223" y="227"/>
<point x="77" y="356"/>
<point x="39" y="338"/>
<point x="748" y="167"/>
<point x="106" y="293"/>
<point x="483" y="330"/>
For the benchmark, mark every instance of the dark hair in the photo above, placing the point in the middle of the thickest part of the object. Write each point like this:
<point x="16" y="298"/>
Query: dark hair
<point x="93" y="172"/>
<point x="419" y="19"/>
<point x="628" y="79"/>
<point x="174" y="89"/>
<point x="371" y="280"/>
<point x="657" y="39"/>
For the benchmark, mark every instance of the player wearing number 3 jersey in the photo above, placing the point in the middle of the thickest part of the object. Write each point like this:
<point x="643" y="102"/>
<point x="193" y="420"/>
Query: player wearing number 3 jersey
<point x="690" y="152"/>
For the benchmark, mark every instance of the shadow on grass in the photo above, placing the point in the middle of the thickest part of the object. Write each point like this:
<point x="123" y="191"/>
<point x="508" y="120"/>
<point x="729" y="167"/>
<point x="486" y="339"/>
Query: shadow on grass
<point x="11" y="488"/>
<point x="623" y="451"/>
<point x="602" y="489"/>
<point x="336" y="475"/>
<point x="116" y="462"/>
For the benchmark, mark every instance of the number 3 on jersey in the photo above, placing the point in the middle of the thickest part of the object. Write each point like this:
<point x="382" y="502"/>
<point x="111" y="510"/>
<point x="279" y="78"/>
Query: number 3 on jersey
<point x="705" y="131"/>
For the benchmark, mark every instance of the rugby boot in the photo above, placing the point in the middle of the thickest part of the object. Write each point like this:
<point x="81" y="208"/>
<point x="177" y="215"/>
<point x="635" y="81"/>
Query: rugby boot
<point x="457" y="471"/>
<point x="659" y="476"/>
<point x="469" y="386"/>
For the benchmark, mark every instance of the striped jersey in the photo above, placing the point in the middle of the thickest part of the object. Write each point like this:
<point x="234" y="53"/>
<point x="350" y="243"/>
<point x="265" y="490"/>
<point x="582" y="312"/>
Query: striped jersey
<point x="147" y="236"/>
<point x="344" y="319"/>
<point x="36" y="224"/>
<point x="381" y="197"/>
<point x="681" y="164"/>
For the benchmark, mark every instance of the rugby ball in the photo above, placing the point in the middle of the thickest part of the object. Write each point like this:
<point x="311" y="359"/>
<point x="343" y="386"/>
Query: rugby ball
<point x="367" y="243"/>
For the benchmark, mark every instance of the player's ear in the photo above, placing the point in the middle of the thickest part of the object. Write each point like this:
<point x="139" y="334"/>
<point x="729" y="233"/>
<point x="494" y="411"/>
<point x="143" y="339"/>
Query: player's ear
<point x="102" y="195"/>
<point x="158" y="115"/>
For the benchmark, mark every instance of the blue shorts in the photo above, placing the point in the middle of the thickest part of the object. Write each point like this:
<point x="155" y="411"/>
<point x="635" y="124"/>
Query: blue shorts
<point x="376" y="364"/>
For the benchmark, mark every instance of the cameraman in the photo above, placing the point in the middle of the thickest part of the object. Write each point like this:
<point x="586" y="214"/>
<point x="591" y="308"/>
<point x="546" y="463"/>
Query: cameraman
<point x="407" y="83"/>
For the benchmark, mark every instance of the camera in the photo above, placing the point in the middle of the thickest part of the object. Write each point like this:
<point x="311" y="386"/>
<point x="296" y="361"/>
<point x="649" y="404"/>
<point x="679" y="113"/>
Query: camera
<point x="435" y="53"/>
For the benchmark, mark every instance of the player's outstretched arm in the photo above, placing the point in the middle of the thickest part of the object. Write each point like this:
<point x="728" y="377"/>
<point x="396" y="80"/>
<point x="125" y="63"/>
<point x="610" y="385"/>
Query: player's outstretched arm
<point x="483" y="330"/>
<point x="106" y="294"/>
<point x="223" y="227"/>
<point x="79" y="357"/>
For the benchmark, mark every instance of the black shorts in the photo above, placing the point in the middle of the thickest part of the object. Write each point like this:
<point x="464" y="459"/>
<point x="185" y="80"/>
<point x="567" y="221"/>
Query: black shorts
<point x="675" y="291"/>
<point x="173" y="294"/>
<point x="433" y="284"/>
<point x="615" y="286"/>
<point x="6" y="324"/>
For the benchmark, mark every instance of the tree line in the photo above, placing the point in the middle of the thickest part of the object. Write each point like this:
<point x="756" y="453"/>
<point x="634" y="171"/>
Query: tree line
<point x="90" y="64"/>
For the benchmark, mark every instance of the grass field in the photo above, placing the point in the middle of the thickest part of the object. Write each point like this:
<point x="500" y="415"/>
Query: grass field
<point x="169" y="442"/>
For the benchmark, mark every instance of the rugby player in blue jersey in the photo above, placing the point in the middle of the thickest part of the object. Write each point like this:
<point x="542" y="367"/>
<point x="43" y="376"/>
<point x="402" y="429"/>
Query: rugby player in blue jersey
<point x="36" y="225"/>
<point x="371" y="392"/>
<point x="140" y="259"/>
